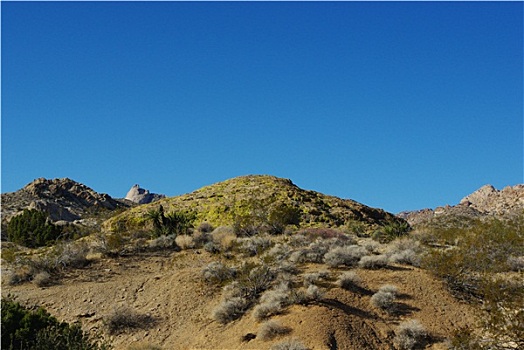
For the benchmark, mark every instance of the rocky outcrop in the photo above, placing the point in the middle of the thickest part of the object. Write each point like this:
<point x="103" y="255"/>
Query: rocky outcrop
<point x="142" y="196"/>
<point x="485" y="202"/>
<point x="63" y="199"/>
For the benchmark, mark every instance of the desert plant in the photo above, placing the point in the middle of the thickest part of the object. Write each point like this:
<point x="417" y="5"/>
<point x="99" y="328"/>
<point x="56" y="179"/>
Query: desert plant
<point x="162" y="242"/>
<point x="123" y="317"/>
<point x="348" y="280"/>
<point x="384" y="299"/>
<point x="185" y="241"/>
<point x="252" y="246"/>
<point x="217" y="273"/>
<point x="42" y="279"/>
<point x="348" y="255"/>
<point x="391" y="231"/>
<point x="410" y="334"/>
<point x="272" y="302"/>
<point x="312" y="278"/>
<point x="281" y="215"/>
<point x="289" y="344"/>
<point x="373" y="261"/>
<point x="23" y="328"/>
<point x="272" y="329"/>
<point x="230" y="309"/>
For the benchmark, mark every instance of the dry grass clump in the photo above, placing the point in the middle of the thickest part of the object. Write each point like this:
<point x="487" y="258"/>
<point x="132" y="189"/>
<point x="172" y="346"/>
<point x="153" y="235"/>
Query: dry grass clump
<point x="42" y="279"/>
<point x="217" y="273"/>
<point x="272" y="302"/>
<point x="224" y="237"/>
<point x="516" y="263"/>
<point x="312" y="278"/>
<point x="289" y="344"/>
<point x="162" y="242"/>
<point x="279" y="252"/>
<point x="185" y="241"/>
<point x="405" y="251"/>
<point x="347" y="255"/>
<point x="251" y="246"/>
<point x="348" y="280"/>
<point x="230" y="309"/>
<point x="409" y="335"/>
<point x="271" y="329"/>
<point x="384" y="299"/>
<point x="373" y="262"/>
<point x="123" y="318"/>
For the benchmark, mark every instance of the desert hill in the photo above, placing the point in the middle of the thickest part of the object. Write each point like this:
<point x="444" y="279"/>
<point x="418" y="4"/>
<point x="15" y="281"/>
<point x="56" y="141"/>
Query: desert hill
<point x="63" y="200"/>
<point x="220" y="203"/>
<point x="486" y="202"/>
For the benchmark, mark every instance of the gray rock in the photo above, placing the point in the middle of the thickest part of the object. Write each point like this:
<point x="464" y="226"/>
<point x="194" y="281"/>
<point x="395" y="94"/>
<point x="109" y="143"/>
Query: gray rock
<point x="142" y="196"/>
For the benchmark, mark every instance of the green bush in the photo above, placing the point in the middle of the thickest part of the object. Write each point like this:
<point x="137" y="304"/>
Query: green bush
<point x="174" y="223"/>
<point x="32" y="229"/>
<point x="38" y="330"/>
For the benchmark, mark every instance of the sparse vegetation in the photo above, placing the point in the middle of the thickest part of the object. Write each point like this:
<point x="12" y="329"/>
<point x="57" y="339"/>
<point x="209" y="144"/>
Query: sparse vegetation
<point x="272" y="329"/>
<point x="348" y="280"/>
<point x="384" y="299"/>
<point x="391" y="231"/>
<point x="289" y="344"/>
<point x="409" y="335"/>
<point x="373" y="262"/>
<point x="123" y="318"/>
<point x="348" y="255"/>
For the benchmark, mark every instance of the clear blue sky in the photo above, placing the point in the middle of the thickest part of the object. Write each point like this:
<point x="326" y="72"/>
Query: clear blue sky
<point x="396" y="105"/>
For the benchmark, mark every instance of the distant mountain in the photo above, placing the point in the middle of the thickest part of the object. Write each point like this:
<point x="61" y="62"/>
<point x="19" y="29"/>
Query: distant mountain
<point x="487" y="201"/>
<point x="63" y="199"/>
<point x="142" y="196"/>
<point x="220" y="203"/>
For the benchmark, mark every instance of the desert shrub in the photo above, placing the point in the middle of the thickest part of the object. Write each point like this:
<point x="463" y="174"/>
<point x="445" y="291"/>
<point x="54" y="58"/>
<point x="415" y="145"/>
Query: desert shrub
<point x="252" y="246"/>
<point x="384" y="299"/>
<point x="279" y="252"/>
<point x="205" y="227"/>
<point x="314" y="293"/>
<point x="299" y="240"/>
<point x="20" y="274"/>
<point x="42" y="279"/>
<point x="391" y="231"/>
<point x="314" y="233"/>
<point x="23" y="328"/>
<point x="348" y="255"/>
<point x="33" y="229"/>
<point x="272" y="329"/>
<point x="224" y="237"/>
<point x="515" y="263"/>
<point x="315" y="277"/>
<point x="162" y="242"/>
<point x="185" y="241"/>
<point x="371" y="246"/>
<point x="281" y="215"/>
<point x="123" y="318"/>
<point x="348" y="280"/>
<point x="289" y="344"/>
<point x="201" y="238"/>
<point x="408" y="257"/>
<point x="217" y="273"/>
<point x="230" y="309"/>
<point x="212" y="247"/>
<point x="315" y="251"/>
<point x="373" y="261"/>
<point x="410" y="334"/>
<point x="272" y="302"/>
<point x="72" y="254"/>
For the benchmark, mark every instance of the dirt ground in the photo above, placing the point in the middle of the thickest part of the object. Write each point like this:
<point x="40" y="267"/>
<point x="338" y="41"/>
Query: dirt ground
<point x="168" y="288"/>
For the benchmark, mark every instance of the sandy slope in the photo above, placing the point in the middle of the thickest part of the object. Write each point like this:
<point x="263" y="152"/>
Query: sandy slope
<point x="168" y="288"/>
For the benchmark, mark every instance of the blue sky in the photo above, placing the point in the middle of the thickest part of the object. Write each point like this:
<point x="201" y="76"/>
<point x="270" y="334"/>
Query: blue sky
<point x="402" y="105"/>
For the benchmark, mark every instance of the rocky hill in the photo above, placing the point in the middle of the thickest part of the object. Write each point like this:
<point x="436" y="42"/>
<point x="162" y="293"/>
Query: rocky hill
<point x="485" y="202"/>
<point x="63" y="199"/>
<point x="142" y="196"/>
<point x="220" y="203"/>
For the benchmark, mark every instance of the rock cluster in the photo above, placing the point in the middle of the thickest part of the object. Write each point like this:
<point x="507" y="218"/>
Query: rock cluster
<point x="63" y="199"/>
<point x="142" y="196"/>
<point x="487" y="201"/>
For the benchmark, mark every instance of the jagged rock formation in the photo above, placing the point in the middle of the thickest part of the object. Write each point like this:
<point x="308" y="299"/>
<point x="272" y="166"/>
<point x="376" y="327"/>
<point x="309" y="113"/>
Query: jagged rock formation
<point x="220" y="203"/>
<point x="63" y="199"/>
<point x="487" y="201"/>
<point x="142" y="196"/>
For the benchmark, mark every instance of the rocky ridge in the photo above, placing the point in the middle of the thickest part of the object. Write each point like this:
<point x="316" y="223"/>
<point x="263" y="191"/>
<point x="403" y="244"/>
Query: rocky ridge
<point x="486" y="202"/>
<point x="142" y="196"/>
<point x="63" y="199"/>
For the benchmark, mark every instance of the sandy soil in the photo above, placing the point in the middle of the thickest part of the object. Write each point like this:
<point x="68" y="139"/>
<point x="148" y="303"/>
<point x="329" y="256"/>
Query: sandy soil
<point x="168" y="287"/>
